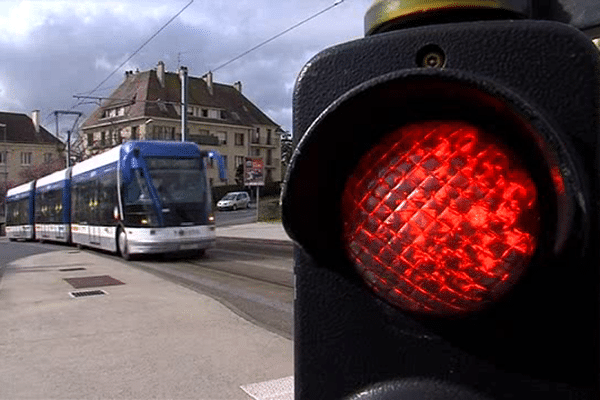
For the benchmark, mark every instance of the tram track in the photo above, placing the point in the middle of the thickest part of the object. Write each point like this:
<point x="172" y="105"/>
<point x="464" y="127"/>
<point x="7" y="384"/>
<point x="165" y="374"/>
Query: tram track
<point x="254" y="280"/>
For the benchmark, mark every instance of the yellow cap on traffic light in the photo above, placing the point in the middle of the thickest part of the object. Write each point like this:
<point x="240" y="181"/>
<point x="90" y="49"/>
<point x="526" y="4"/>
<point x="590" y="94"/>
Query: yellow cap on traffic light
<point x="383" y="12"/>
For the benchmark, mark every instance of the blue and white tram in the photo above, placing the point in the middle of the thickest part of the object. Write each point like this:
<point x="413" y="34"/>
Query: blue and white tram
<point x="20" y="212"/>
<point x="53" y="207"/>
<point x="143" y="197"/>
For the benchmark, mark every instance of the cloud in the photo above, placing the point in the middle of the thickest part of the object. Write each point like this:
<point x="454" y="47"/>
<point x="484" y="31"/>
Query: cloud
<point x="52" y="50"/>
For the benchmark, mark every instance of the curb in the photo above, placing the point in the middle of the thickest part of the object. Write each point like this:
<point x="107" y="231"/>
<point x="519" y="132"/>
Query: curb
<point x="238" y="239"/>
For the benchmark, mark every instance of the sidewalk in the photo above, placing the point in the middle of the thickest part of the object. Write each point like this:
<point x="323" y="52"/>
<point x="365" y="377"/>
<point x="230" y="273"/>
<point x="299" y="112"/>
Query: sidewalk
<point x="145" y="338"/>
<point x="265" y="231"/>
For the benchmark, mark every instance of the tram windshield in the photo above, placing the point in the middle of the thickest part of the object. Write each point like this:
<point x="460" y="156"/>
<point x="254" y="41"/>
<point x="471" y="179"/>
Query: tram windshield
<point x="182" y="190"/>
<point x="179" y="180"/>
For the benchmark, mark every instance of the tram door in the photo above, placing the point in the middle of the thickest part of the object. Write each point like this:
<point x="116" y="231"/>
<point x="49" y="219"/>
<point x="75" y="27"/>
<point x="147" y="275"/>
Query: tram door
<point x="94" y="234"/>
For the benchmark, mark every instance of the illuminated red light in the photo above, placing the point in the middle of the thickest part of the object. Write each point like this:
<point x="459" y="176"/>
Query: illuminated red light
<point x="440" y="218"/>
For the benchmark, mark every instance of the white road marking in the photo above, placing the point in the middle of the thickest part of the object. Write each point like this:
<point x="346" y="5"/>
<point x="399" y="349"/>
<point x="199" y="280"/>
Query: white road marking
<point x="276" y="389"/>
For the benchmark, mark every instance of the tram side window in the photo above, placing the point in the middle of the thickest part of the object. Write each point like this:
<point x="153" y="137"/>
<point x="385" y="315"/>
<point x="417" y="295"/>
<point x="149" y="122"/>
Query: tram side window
<point x="48" y="206"/>
<point x="94" y="200"/>
<point x="107" y="199"/>
<point x="17" y="212"/>
<point x="82" y="202"/>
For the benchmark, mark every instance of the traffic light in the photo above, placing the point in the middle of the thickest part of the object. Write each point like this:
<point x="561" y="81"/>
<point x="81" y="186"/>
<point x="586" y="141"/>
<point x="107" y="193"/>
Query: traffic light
<point x="443" y="200"/>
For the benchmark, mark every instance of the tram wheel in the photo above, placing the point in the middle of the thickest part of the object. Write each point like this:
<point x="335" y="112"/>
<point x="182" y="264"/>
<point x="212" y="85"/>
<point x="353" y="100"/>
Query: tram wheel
<point x="122" y="245"/>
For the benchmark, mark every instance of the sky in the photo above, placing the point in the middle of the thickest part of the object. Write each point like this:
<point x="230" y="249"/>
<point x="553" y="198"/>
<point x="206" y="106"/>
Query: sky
<point x="51" y="50"/>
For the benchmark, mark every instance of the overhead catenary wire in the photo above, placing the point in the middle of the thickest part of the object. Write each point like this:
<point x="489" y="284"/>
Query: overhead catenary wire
<point x="81" y="97"/>
<point x="141" y="47"/>
<point x="278" y="35"/>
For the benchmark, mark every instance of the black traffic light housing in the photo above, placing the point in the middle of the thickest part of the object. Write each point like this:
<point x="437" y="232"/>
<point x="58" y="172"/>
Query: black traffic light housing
<point x="536" y="85"/>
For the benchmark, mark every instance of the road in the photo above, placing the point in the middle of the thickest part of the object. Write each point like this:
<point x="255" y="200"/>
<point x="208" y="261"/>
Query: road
<point x="245" y="216"/>
<point x="11" y="251"/>
<point x="253" y="279"/>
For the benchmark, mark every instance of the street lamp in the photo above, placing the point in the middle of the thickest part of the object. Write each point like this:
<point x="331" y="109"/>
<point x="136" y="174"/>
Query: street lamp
<point x="5" y="173"/>
<point x="5" y="156"/>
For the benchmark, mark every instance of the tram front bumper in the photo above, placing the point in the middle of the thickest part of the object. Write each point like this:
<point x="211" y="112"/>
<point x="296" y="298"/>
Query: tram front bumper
<point x="167" y="240"/>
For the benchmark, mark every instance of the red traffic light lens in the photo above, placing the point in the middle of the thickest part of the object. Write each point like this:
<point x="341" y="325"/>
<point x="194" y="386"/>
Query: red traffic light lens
<point x="440" y="218"/>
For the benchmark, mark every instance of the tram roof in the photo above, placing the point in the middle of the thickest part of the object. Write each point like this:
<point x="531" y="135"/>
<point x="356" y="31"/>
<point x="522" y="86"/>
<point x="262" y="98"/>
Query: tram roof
<point x="20" y="189"/>
<point x="54" y="177"/>
<point x="106" y="158"/>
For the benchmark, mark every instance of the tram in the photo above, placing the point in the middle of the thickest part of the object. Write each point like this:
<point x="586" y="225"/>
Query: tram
<point x="52" y="204"/>
<point x="140" y="197"/>
<point x="20" y="212"/>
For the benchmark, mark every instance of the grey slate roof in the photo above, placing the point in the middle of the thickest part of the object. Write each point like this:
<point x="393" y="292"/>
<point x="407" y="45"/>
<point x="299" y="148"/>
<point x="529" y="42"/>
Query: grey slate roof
<point x="20" y="129"/>
<point x="145" y="97"/>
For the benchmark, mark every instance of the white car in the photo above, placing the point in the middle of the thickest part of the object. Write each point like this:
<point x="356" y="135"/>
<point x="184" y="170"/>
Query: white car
<point x="233" y="201"/>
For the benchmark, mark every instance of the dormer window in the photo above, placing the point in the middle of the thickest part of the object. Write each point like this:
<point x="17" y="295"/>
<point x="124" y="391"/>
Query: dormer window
<point x="113" y="112"/>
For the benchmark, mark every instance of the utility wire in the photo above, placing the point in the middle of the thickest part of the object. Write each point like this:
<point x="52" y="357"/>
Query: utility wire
<point x="279" y="34"/>
<point x="81" y="98"/>
<point x="141" y="47"/>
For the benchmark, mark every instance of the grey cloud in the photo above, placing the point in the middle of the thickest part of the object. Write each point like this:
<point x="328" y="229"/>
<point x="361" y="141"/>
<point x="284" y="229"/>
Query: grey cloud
<point x="61" y="57"/>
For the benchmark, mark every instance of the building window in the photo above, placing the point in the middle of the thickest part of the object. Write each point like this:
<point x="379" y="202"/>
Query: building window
<point x="113" y="112"/>
<point x="103" y="139"/>
<point x="269" y="156"/>
<point x="256" y="136"/>
<point x="239" y="139"/>
<point x="256" y="152"/>
<point x="222" y="137"/>
<point x="47" y="157"/>
<point x="269" y="133"/>
<point x="204" y="112"/>
<point x="134" y="132"/>
<point x="239" y="160"/>
<point x="2" y="157"/>
<point x="90" y="139"/>
<point x="26" y="158"/>
<point x="162" y="133"/>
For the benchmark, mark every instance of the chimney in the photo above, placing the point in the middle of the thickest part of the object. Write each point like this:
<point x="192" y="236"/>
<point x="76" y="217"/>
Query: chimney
<point x="160" y="73"/>
<point x="35" y="118"/>
<point x="208" y="78"/>
<point x="238" y="86"/>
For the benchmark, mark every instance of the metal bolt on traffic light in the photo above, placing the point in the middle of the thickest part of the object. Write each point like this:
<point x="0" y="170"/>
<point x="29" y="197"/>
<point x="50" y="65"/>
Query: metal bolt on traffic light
<point x="443" y="200"/>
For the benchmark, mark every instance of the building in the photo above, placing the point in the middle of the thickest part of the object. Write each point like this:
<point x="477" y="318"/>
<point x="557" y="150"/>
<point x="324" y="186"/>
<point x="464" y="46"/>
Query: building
<point x="27" y="151"/>
<point x="147" y="106"/>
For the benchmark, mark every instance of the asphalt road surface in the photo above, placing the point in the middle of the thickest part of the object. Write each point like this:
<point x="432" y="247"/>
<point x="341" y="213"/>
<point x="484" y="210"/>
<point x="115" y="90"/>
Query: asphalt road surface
<point x="11" y="251"/>
<point x="244" y="216"/>
<point x="254" y="279"/>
